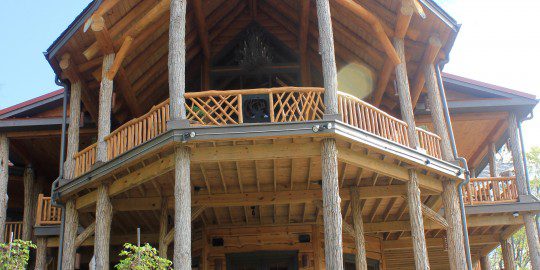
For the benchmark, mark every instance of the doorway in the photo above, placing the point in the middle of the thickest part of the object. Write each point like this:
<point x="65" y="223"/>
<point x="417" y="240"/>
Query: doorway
<point x="263" y="260"/>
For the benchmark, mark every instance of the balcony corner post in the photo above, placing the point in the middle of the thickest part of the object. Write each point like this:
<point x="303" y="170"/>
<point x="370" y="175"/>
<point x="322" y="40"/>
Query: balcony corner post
<point x="73" y="130"/>
<point x="105" y="108"/>
<point x="70" y="234"/>
<point x="4" y="163"/>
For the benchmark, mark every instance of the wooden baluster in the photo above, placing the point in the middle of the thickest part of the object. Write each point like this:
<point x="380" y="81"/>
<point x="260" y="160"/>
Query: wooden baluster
<point x="241" y="110"/>
<point x="272" y="107"/>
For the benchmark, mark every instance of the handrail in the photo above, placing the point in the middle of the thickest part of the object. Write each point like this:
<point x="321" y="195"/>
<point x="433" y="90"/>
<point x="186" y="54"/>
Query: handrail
<point x="46" y="214"/>
<point x="15" y="227"/>
<point x="490" y="190"/>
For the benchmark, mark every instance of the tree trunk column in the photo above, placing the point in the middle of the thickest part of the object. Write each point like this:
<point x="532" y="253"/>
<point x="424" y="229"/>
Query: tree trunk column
<point x="163" y="228"/>
<point x="521" y="181"/>
<point x="73" y="130"/>
<point x="103" y="228"/>
<point x="484" y="263"/>
<point x="413" y="190"/>
<point x="333" y="248"/>
<point x="28" y="210"/>
<point x="326" y="43"/>
<point x="492" y="160"/>
<point x="177" y="59"/>
<point x="182" y="210"/>
<point x="70" y="234"/>
<point x="105" y="108"/>
<point x="4" y="175"/>
<point x="360" y="242"/>
<point x="41" y="254"/>
<point x="454" y="233"/>
<point x="507" y="254"/>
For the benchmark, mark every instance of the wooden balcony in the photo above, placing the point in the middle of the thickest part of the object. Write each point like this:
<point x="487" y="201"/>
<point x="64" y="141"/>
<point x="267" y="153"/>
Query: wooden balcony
<point x="490" y="190"/>
<point x="14" y="227"/>
<point x="47" y="215"/>
<point x="286" y="104"/>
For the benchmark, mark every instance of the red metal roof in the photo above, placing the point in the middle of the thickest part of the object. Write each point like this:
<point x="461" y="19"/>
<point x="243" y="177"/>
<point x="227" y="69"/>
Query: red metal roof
<point x="488" y="85"/>
<point x="32" y="101"/>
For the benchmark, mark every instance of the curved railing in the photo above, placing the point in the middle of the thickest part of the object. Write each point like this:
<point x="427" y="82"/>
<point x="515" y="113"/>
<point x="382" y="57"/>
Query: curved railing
<point x="490" y="190"/>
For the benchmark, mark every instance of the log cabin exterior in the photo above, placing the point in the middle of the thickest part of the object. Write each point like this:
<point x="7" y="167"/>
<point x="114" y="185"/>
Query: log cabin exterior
<point x="265" y="134"/>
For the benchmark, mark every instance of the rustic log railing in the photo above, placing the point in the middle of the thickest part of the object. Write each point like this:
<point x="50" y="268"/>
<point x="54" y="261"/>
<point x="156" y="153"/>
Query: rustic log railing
<point x="15" y="227"/>
<point x="47" y="214"/>
<point x="286" y="104"/>
<point x="490" y="190"/>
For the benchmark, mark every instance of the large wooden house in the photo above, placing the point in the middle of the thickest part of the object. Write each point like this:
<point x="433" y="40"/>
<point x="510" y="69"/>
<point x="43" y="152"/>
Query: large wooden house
<point x="265" y="134"/>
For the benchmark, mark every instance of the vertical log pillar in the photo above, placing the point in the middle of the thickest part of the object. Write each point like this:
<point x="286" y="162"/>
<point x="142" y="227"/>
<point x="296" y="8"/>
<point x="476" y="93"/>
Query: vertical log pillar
<point x="73" y="130"/>
<point x="41" y="254"/>
<point x="360" y="242"/>
<point x="70" y="234"/>
<point x="29" y="209"/>
<point x="4" y="175"/>
<point x="484" y="263"/>
<point x="105" y="108"/>
<point x="492" y="160"/>
<point x="454" y="233"/>
<point x="521" y="181"/>
<point x="413" y="190"/>
<point x="326" y="43"/>
<point x="333" y="248"/>
<point x="163" y="228"/>
<point x="103" y="228"/>
<point x="507" y="254"/>
<point x="182" y="186"/>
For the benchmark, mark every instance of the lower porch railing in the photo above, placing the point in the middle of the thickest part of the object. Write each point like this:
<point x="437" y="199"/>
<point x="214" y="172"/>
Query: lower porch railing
<point x="490" y="190"/>
<point x="14" y="227"/>
<point x="47" y="214"/>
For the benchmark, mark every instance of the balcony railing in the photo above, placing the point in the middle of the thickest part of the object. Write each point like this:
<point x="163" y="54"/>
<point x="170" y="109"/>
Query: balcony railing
<point x="14" y="227"/>
<point x="490" y="190"/>
<point x="285" y="104"/>
<point x="47" y="214"/>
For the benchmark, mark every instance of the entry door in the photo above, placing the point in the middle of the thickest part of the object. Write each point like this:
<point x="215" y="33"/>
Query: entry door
<point x="272" y="260"/>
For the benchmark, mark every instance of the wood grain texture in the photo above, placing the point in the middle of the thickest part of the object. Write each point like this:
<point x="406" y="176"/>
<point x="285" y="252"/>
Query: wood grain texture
<point x="4" y="175"/>
<point x="507" y="254"/>
<point x="182" y="210"/>
<point x="454" y="232"/>
<point x="103" y="228"/>
<point x="105" y="107"/>
<point x="417" y="224"/>
<point x="177" y="59"/>
<point x="41" y="254"/>
<point x="484" y="263"/>
<point x="73" y="130"/>
<point x="358" y="223"/>
<point x="326" y="43"/>
<point x="70" y="234"/>
<point x="29" y="203"/>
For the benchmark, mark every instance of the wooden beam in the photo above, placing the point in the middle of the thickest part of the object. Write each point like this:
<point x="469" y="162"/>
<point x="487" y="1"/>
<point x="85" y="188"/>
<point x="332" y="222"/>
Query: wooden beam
<point x="429" y="57"/>
<point x="202" y="29"/>
<point x="376" y="26"/>
<point x="406" y="243"/>
<point x="120" y="56"/>
<point x="85" y="234"/>
<point x="404" y="19"/>
<point x="429" y="213"/>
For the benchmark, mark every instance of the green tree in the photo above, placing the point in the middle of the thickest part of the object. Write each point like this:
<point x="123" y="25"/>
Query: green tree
<point x="15" y="255"/>
<point x="142" y="258"/>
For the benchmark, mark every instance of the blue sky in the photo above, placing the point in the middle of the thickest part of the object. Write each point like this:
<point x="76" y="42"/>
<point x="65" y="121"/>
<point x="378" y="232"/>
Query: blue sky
<point x="498" y="43"/>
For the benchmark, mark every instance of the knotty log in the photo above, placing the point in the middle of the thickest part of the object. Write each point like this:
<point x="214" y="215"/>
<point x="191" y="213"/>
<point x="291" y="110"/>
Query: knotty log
<point x="326" y="43"/>
<point x="521" y="181"/>
<point x="4" y="175"/>
<point x="417" y="224"/>
<point x="177" y="60"/>
<point x="163" y="228"/>
<point x="73" y="130"/>
<point x="360" y="242"/>
<point x="70" y="234"/>
<point x="182" y="210"/>
<point x="454" y="232"/>
<point x="41" y="254"/>
<point x="29" y="206"/>
<point x="507" y="254"/>
<point x="103" y="228"/>
<point x="331" y="206"/>
<point x="105" y="107"/>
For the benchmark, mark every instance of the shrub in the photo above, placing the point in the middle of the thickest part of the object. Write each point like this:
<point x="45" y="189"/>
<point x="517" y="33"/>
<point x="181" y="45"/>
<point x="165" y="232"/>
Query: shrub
<point x="15" y="255"/>
<point x="141" y="258"/>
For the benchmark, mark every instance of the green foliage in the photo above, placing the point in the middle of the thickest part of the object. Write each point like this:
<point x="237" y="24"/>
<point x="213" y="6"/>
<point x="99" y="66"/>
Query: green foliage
<point x="15" y="256"/>
<point x="141" y="258"/>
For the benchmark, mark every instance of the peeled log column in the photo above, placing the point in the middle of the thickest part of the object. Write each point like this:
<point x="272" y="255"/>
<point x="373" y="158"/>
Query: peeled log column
<point x="105" y="107"/>
<point x="326" y="41"/>
<point x="359" y="239"/>
<point x="28" y="210"/>
<point x="103" y="228"/>
<point x="41" y="254"/>
<point x="521" y="181"/>
<point x="70" y="234"/>
<point x="333" y="248"/>
<point x="417" y="223"/>
<point x="507" y="254"/>
<point x="4" y="162"/>
<point x="182" y="210"/>
<point x="177" y="59"/>
<point x="492" y="160"/>
<point x="484" y="263"/>
<point x="73" y="130"/>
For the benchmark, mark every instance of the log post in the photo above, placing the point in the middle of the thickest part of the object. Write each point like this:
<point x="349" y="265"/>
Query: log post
<point x="103" y="227"/>
<point x="4" y="175"/>
<point x="163" y="228"/>
<point x="413" y="190"/>
<point x="450" y="197"/>
<point x="492" y="160"/>
<point x="71" y="225"/>
<point x="326" y="43"/>
<point x="182" y="210"/>
<point x="105" y="108"/>
<point x="73" y="130"/>
<point x="41" y="254"/>
<point x="29" y="209"/>
<point x="521" y="181"/>
<point x="359" y="239"/>
<point x="484" y="263"/>
<point x="507" y="254"/>
<point x="333" y="248"/>
<point x="177" y="59"/>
